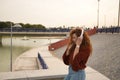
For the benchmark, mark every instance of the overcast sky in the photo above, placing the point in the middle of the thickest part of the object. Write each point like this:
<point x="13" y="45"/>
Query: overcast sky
<point x="59" y="12"/>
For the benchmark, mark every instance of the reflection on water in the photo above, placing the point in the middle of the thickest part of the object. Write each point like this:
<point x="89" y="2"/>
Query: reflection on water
<point x="20" y="45"/>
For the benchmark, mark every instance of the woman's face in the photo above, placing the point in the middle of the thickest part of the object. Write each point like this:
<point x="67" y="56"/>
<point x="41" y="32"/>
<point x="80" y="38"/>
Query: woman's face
<point x="74" y="38"/>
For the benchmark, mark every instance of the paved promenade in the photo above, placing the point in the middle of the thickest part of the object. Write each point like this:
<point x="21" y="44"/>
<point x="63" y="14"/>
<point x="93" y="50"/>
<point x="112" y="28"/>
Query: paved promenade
<point x="106" y="54"/>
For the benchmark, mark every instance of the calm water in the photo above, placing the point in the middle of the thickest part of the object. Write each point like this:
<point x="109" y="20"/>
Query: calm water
<point x="20" y="45"/>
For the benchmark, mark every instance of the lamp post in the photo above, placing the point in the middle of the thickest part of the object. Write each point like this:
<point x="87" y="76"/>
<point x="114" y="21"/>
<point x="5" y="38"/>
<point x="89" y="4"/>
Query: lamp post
<point x="11" y="33"/>
<point x="98" y="15"/>
<point x="11" y="50"/>
<point x="104" y="20"/>
<point x="119" y="14"/>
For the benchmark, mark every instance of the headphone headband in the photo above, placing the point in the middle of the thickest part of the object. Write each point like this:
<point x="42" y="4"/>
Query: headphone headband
<point x="81" y="36"/>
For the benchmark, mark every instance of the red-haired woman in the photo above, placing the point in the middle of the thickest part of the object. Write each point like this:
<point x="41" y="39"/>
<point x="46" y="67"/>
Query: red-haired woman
<point x="77" y="54"/>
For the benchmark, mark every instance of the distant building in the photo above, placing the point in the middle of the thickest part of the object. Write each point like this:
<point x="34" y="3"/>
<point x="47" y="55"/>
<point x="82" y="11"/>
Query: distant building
<point x="17" y="25"/>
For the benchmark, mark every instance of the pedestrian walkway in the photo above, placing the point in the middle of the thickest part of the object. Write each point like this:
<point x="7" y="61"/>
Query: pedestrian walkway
<point x="106" y="54"/>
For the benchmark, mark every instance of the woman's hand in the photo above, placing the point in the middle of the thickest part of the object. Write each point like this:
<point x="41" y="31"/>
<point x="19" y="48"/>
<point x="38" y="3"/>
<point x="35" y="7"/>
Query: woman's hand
<point x="78" y="43"/>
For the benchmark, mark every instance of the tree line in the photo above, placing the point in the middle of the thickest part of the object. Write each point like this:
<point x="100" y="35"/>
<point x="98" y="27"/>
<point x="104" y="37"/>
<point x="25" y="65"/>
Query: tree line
<point x="7" y="24"/>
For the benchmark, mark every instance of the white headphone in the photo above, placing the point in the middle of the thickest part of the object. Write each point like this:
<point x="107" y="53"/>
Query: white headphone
<point x="81" y="36"/>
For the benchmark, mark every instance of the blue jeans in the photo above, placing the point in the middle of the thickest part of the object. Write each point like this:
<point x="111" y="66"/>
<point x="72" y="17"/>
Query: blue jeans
<point x="72" y="75"/>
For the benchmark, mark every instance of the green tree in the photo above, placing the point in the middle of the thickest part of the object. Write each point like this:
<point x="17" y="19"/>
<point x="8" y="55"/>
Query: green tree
<point x="6" y="24"/>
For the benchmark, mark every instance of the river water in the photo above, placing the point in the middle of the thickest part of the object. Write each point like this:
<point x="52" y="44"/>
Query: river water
<point x="20" y="45"/>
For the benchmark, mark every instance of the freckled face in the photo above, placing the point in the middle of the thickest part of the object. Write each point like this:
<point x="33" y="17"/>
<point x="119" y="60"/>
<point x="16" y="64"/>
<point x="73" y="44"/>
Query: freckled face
<point x="74" y="38"/>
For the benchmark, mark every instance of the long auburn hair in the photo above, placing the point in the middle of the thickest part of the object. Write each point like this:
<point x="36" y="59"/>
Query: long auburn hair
<point x="85" y="42"/>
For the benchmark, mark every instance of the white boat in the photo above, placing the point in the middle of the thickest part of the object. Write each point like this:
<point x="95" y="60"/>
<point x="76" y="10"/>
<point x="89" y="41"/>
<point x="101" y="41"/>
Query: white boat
<point x="25" y="38"/>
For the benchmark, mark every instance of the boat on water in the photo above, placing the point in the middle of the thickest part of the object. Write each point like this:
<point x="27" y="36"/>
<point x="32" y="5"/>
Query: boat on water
<point x="25" y="38"/>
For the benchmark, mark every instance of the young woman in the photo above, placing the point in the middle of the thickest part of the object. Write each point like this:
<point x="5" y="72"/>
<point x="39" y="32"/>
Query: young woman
<point x="76" y="55"/>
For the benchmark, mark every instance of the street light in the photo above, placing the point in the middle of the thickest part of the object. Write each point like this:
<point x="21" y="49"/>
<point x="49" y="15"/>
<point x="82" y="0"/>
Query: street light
<point x="98" y="15"/>
<point x="11" y="50"/>
<point x="119" y="14"/>
<point x="11" y="45"/>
